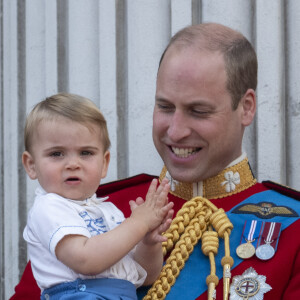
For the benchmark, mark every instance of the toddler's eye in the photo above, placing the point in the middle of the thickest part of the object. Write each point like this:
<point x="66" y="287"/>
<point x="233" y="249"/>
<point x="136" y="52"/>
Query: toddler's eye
<point x="85" y="153"/>
<point x="56" y="154"/>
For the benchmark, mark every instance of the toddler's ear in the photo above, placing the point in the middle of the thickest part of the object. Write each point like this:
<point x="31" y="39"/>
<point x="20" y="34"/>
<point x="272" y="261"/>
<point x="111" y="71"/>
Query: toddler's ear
<point x="106" y="159"/>
<point x="29" y="165"/>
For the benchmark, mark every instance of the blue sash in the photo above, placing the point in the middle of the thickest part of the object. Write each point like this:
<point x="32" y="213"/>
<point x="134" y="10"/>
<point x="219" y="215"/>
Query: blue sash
<point x="197" y="268"/>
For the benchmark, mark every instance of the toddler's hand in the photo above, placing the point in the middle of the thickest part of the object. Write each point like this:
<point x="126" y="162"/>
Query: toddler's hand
<point x="155" y="212"/>
<point x="155" y="236"/>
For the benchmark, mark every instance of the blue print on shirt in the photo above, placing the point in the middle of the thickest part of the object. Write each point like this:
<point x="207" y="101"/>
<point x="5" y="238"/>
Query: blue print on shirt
<point x="95" y="226"/>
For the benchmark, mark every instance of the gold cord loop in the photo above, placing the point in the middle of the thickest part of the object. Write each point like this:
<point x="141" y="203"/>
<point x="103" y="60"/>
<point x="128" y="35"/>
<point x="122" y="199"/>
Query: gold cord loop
<point x="220" y="222"/>
<point x="188" y="227"/>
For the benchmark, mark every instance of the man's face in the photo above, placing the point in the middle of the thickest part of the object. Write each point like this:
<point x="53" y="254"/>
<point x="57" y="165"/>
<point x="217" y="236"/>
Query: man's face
<point x="195" y="130"/>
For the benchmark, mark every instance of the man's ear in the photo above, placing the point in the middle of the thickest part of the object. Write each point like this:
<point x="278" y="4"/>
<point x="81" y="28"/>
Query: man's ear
<point x="29" y="165"/>
<point x="106" y="160"/>
<point x="248" y="106"/>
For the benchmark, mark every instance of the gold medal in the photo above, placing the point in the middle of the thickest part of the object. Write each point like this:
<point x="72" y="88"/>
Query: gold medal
<point x="250" y="234"/>
<point x="245" y="250"/>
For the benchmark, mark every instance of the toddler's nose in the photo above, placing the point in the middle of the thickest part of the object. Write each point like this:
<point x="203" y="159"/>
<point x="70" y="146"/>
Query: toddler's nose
<point x="73" y="163"/>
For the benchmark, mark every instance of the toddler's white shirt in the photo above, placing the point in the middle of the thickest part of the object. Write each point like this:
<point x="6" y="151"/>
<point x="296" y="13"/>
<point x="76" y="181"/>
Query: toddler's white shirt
<point x="52" y="217"/>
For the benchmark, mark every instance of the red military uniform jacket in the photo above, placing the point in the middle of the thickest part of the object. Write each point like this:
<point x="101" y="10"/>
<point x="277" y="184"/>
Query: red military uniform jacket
<point x="237" y="192"/>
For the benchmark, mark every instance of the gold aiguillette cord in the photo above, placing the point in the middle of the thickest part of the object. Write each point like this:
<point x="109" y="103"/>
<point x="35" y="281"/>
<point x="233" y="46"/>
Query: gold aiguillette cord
<point x="198" y="218"/>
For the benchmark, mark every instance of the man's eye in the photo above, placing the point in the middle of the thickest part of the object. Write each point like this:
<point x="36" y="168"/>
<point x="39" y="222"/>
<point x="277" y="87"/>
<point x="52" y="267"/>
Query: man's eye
<point x="200" y="113"/>
<point x="56" y="154"/>
<point x="164" y="107"/>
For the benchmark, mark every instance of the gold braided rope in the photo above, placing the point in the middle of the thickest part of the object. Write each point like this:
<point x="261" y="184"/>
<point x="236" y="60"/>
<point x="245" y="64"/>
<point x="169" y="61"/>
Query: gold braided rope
<point x="193" y="221"/>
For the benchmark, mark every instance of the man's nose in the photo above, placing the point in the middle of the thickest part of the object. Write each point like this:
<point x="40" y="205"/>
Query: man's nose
<point x="178" y="127"/>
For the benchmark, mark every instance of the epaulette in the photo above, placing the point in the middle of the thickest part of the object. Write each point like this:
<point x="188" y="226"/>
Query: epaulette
<point x="282" y="189"/>
<point x="113" y="186"/>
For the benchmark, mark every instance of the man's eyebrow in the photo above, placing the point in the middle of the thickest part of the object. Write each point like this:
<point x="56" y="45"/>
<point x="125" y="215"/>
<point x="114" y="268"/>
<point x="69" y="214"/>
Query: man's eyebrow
<point x="200" y="103"/>
<point x="160" y="99"/>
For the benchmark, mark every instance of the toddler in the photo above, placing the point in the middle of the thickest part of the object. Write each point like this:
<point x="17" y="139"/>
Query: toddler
<point x="81" y="246"/>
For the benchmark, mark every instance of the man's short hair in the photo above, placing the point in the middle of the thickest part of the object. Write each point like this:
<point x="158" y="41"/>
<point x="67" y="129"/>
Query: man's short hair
<point x="239" y="56"/>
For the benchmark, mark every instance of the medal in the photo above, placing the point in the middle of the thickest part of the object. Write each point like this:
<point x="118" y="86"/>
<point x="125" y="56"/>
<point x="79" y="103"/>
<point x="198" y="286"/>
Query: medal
<point x="250" y="286"/>
<point x="250" y="234"/>
<point x="245" y="250"/>
<point x="268" y="241"/>
<point x="265" y="252"/>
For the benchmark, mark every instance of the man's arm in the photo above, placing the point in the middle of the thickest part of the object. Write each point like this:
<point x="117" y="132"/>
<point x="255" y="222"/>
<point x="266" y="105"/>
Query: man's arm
<point x="27" y="289"/>
<point x="293" y="289"/>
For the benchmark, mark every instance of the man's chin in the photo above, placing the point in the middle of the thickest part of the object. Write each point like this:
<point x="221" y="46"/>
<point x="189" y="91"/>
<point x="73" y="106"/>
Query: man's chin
<point x="185" y="176"/>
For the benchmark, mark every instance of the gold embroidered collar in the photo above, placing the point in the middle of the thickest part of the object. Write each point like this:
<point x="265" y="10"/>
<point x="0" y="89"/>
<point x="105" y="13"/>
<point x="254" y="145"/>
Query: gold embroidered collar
<point x="230" y="181"/>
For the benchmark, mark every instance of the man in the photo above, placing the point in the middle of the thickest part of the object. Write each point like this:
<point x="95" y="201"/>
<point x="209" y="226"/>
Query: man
<point x="205" y="98"/>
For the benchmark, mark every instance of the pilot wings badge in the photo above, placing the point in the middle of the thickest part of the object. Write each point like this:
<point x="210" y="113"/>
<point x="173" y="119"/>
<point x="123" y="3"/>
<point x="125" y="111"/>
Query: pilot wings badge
<point x="265" y="210"/>
<point x="250" y="286"/>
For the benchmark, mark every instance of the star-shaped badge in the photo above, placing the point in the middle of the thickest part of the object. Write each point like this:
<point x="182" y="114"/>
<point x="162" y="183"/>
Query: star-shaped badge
<point x="250" y="286"/>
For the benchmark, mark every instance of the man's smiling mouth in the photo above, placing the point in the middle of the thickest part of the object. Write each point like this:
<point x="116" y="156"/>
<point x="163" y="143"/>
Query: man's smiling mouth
<point x="184" y="152"/>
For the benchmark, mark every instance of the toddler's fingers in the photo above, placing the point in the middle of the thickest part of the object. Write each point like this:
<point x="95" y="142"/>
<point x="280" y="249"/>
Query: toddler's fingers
<point x="164" y="182"/>
<point x="169" y="214"/>
<point x="161" y="239"/>
<point x="163" y="194"/>
<point x="164" y="226"/>
<point x="139" y="200"/>
<point x="166" y="211"/>
<point x="132" y="205"/>
<point x="152" y="189"/>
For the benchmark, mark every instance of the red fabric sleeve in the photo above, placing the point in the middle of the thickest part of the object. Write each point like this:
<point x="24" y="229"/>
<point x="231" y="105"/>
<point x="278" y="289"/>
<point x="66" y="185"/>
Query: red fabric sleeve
<point x="27" y="289"/>
<point x="293" y="288"/>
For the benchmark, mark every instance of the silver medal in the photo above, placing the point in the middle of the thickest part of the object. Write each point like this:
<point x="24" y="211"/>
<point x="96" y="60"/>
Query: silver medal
<point x="265" y="252"/>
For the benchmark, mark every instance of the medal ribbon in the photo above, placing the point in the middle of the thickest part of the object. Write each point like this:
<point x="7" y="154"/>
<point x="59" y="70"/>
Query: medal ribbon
<point x="252" y="231"/>
<point x="270" y="234"/>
